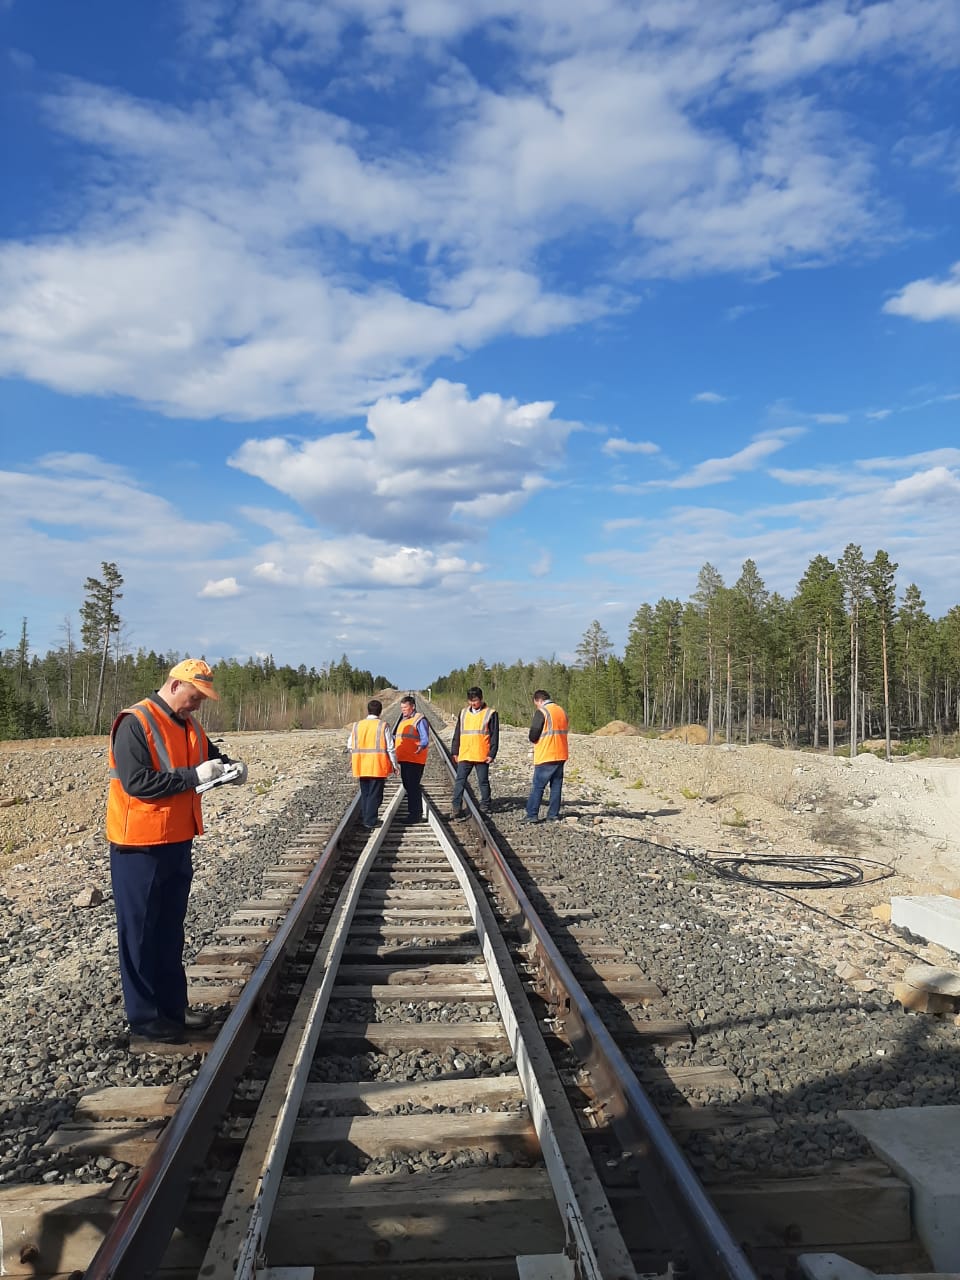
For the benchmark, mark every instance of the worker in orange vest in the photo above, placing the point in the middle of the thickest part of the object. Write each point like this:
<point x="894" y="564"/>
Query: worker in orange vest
<point x="476" y="740"/>
<point x="548" y="733"/>
<point x="373" y="758"/>
<point x="158" y="756"/>
<point x="412" y="738"/>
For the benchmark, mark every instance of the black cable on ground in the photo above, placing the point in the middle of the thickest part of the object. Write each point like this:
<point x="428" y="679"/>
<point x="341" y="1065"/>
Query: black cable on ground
<point x="710" y="864"/>
<point x="811" y="872"/>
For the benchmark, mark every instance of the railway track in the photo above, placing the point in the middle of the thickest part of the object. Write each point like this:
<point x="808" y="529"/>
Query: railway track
<point x="412" y="1080"/>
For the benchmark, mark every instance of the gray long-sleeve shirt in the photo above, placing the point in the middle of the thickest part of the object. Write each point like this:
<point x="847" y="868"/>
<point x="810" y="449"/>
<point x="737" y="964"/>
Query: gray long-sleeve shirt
<point x="136" y="771"/>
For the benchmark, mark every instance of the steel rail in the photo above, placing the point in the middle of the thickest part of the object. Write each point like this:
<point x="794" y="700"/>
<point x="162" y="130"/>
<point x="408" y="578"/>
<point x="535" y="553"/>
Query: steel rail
<point x="634" y="1118"/>
<point x="244" y="1248"/>
<point x="133" y="1247"/>
<point x="594" y="1241"/>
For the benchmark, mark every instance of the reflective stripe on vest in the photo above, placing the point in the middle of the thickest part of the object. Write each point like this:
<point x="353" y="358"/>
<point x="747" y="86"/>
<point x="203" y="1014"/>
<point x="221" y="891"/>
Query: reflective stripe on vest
<point x="552" y="743"/>
<point x="408" y="741"/>
<point x="368" y="750"/>
<point x="170" y="819"/>
<point x="475" y="734"/>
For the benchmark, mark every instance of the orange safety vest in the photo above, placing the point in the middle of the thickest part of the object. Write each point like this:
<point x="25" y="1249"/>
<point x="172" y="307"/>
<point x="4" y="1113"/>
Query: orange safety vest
<point x="368" y="749"/>
<point x="407" y="741"/>
<point x="552" y="743"/>
<point x="169" y="819"/>
<point x="475" y="734"/>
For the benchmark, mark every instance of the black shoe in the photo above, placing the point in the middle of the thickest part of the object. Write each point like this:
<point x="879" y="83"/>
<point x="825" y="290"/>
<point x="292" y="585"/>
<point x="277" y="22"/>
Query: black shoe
<point x="162" y="1030"/>
<point x="196" y="1019"/>
<point x="457" y="815"/>
<point x="526" y="819"/>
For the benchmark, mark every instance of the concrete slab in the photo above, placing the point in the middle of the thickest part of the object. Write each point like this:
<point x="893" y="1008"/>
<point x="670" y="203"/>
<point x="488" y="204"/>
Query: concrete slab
<point x="832" y="1266"/>
<point x="922" y="1145"/>
<point x="934" y="917"/>
<point x="545" y="1266"/>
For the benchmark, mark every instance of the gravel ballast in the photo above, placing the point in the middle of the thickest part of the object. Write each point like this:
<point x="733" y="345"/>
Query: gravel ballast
<point x="751" y="971"/>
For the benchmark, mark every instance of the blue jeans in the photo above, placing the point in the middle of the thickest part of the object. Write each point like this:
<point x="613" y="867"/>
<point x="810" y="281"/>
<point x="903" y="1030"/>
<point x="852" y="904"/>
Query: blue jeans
<point x="546" y="775"/>
<point x="151" y="887"/>
<point x="483" y="782"/>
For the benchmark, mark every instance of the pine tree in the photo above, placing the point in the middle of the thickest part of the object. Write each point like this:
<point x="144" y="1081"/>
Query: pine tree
<point x="751" y="597"/>
<point x="853" y="574"/>
<point x="707" y="598"/>
<point x="883" y="589"/>
<point x="592" y="652"/>
<point x="99" y="621"/>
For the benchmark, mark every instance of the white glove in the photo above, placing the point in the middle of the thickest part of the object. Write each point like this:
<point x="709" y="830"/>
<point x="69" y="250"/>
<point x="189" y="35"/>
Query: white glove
<point x="242" y="775"/>
<point x="209" y="770"/>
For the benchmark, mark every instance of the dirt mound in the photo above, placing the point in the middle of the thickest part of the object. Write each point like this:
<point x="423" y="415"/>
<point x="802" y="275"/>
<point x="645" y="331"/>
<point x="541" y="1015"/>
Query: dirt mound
<point x="616" y="729"/>
<point x="694" y="734"/>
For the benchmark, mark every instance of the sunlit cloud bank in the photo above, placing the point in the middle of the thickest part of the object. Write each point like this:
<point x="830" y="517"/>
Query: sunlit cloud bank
<point x="271" y="251"/>
<point x="438" y="466"/>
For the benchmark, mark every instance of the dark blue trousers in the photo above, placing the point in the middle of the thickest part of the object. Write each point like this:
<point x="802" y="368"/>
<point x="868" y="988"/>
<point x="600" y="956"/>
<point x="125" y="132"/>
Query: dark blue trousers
<point x="411" y="775"/>
<point x="371" y="795"/>
<point x="151" y="887"/>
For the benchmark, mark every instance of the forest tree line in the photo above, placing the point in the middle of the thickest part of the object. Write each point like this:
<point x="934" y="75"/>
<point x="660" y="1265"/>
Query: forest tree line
<point x="841" y="662"/>
<point x="845" y="660"/>
<point x="78" y="687"/>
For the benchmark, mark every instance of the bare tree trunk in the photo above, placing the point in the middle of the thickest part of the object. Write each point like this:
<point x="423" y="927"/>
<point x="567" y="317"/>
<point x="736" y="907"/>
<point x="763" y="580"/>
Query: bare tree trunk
<point x="103" y="672"/>
<point x="854" y="685"/>
<point x="829" y="678"/>
<point x="816" y="696"/>
<point x="749" y="697"/>
<point x="886" y="687"/>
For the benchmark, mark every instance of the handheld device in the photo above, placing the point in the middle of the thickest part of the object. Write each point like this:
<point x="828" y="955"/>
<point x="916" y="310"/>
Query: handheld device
<point x="230" y="773"/>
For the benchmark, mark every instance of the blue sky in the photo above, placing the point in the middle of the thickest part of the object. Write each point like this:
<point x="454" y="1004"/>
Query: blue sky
<point x="424" y="331"/>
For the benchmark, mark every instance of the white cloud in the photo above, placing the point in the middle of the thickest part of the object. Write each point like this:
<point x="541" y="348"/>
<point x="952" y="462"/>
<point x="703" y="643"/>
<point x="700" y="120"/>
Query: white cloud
<point x="617" y="444"/>
<point x="878" y="415"/>
<point x="927" y="458"/>
<point x="709" y="397"/>
<point x="270" y="572"/>
<point x="255" y="255"/>
<point x="936" y="485"/>
<point x="438" y="466"/>
<point x="913" y="514"/>
<point x="732" y="314"/>
<point x="794" y="192"/>
<point x="928" y="299"/>
<point x="542" y="565"/>
<point x="836" y="33"/>
<point x="830" y="419"/>
<point x="309" y="560"/>
<point x="818" y="477"/>
<point x="221" y="589"/>
<point x="627" y="522"/>
<point x="721" y="470"/>
<point x="184" y="316"/>
<point x="102" y="501"/>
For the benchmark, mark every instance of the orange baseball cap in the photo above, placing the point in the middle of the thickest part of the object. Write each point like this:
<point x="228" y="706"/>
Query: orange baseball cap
<point x="196" y="672"/>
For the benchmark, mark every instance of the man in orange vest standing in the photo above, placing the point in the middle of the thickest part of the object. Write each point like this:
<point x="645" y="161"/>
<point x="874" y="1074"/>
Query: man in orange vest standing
<point x="373" y="758"/>
<point x="475" y="743"/>
<point x="158" y="757"/>
<point x="412" y="737"/>
<point x="548" y="733"/>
